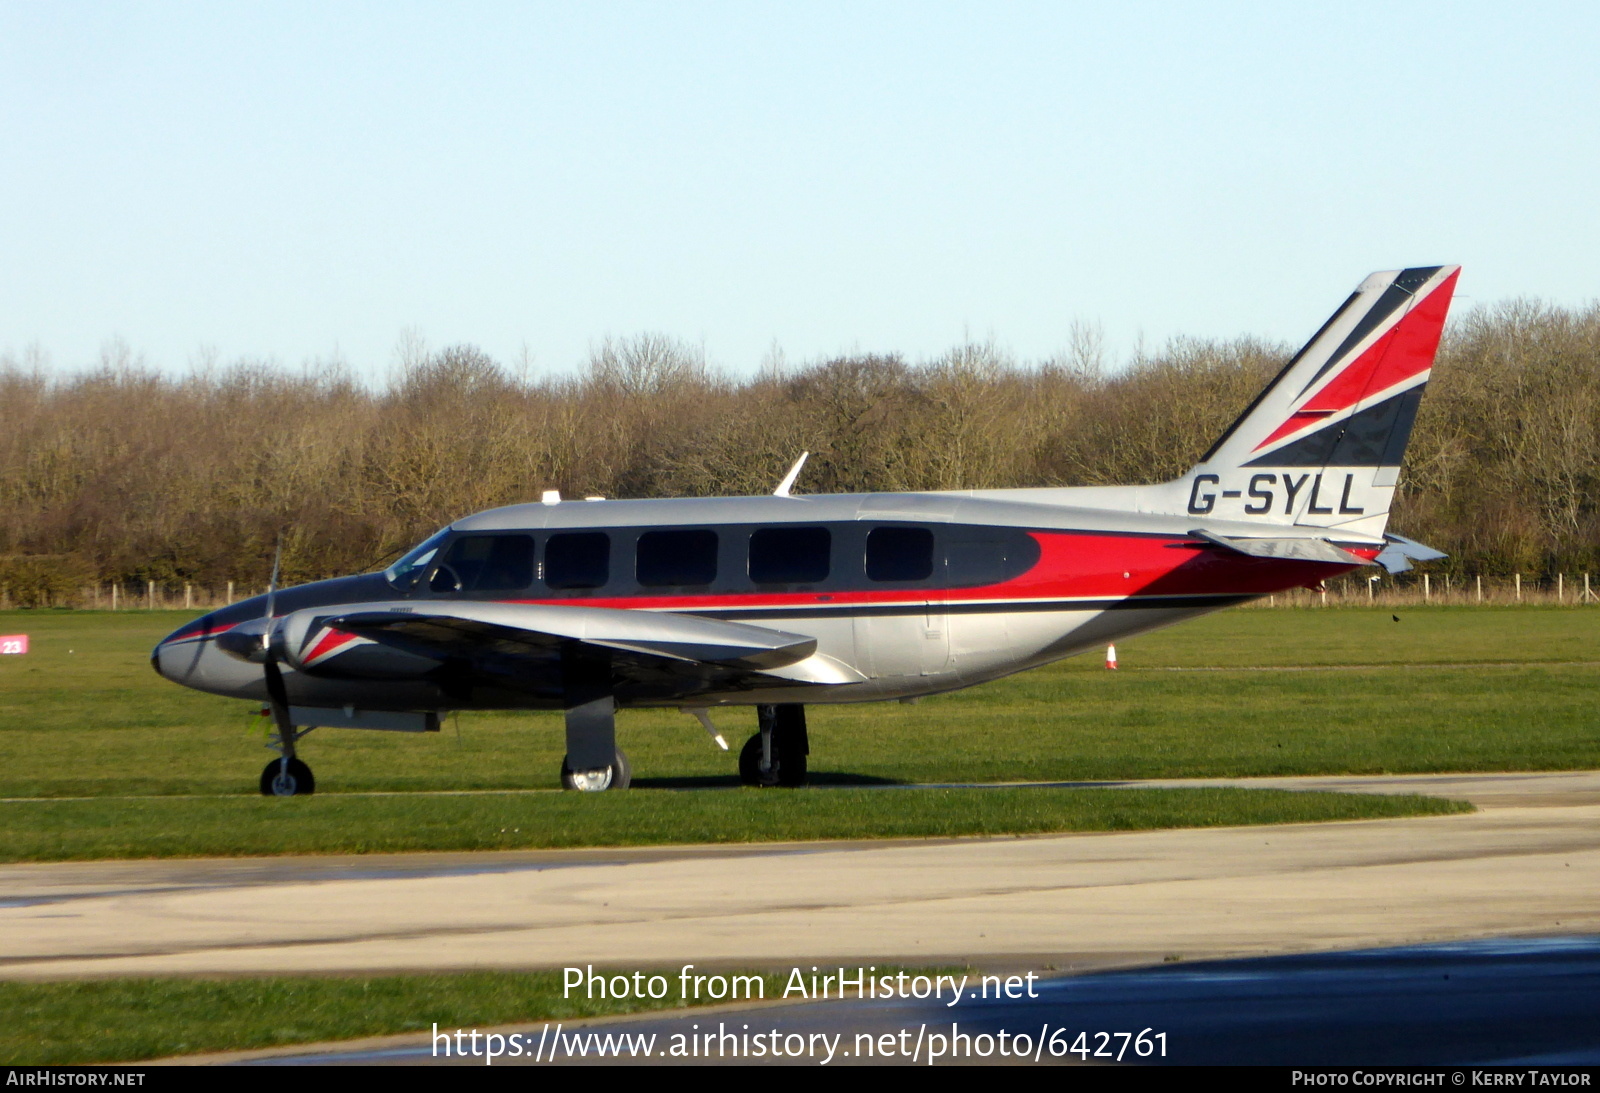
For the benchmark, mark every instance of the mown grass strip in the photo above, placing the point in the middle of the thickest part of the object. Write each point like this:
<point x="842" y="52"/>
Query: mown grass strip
<point x="111" y="1020"/>
<point x="82" y="714"/>
<point x="47" y="830"/>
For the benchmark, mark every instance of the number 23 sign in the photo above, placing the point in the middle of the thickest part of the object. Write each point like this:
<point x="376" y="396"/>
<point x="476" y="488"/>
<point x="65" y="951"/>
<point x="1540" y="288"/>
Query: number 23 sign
<point x="13" y="643"/>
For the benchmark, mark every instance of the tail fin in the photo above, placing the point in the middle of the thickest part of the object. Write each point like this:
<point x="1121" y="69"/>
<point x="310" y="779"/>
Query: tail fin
<point x="1321" y="446"/>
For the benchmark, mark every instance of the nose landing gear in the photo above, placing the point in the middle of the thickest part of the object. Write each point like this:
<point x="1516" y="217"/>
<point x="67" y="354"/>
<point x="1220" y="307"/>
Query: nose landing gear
<point x="287" y="778"/>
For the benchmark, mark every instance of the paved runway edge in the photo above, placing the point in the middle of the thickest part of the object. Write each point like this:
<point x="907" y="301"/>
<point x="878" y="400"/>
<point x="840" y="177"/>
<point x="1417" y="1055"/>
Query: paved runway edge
<point x="1528" y="863"/>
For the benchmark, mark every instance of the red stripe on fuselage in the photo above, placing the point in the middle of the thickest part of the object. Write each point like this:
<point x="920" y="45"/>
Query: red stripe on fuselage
<point x="1071" y="565"/>
<point x="199" y="633"/>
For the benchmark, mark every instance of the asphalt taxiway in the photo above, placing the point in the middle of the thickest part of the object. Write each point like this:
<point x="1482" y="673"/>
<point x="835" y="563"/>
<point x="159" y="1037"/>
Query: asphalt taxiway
<point x="1526" y="864"/>
<point x="1526" y="1003"/>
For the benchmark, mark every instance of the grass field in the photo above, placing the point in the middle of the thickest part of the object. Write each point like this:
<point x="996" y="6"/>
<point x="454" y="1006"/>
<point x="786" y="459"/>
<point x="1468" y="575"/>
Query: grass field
<point x="112" y="1020"/>
<point x="82" y="714"/>
<point x="101" y="758"/>
<point x="1444" y="689"/>
<point x="52" y="830"/>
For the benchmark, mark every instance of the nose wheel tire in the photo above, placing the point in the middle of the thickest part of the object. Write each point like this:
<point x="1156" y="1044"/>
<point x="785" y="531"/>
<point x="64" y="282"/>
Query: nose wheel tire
<point x="287" y="780"/>
<point x="788" y="767"/>
<point x="617" y="776"/>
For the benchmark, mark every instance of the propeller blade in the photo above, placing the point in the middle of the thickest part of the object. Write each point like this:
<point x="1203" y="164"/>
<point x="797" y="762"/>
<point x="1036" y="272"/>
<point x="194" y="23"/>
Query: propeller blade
<point x="272" y="585"/>
<point x="277" y="693"/>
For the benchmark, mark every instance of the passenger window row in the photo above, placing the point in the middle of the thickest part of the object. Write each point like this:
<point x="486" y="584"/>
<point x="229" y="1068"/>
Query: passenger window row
<point x="581" y="560"/>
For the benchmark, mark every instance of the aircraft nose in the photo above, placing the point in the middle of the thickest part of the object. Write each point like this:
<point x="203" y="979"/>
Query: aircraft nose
<point x="164" y="658"/>
<point x="175" y="655"/>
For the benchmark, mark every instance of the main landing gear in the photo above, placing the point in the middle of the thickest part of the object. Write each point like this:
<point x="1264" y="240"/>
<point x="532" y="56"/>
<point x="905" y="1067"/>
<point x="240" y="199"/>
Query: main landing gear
<point x="593" y="761"/>
<point x="616" y="776"/>
<point x="776" y="754"/>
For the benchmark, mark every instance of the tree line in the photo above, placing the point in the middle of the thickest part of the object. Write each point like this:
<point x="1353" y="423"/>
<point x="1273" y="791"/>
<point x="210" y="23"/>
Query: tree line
<point x="122" y="473"/>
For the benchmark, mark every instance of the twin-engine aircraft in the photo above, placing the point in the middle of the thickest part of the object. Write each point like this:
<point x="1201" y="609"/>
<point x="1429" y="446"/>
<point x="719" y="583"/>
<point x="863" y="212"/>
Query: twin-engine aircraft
<point x="781" y="601"/>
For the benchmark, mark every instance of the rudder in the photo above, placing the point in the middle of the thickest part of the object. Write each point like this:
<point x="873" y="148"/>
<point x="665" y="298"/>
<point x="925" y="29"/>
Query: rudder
<point x="1321" y="446"/>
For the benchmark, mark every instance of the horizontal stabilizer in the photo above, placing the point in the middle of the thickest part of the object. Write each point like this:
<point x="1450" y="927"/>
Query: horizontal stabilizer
<point x="1401" y="552"/>
<point x="1296" y="550"/>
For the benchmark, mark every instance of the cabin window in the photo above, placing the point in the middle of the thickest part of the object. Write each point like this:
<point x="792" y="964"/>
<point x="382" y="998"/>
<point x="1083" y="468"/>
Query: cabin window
<point x="899" y="554"/>
<point x="485" y="563"/>
<point x="789" y="555"/>
<point x="577" y="559"/>
<point x="668" y="558"/>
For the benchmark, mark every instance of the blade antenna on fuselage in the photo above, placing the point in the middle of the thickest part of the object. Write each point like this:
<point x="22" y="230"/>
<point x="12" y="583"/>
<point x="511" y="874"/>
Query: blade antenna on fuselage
<point x="788" y="480"/>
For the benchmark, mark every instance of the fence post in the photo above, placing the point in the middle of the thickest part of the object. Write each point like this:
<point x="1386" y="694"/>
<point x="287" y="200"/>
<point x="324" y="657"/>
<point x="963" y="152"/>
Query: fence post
<point x="1561" y="586"/>
<point x="114" y="595"/>
<point x="150" y="595"/>
<point x="188" y="597"/>
<point x="1586" y="592"/>
<point x="1519" y="587"/>
<point x="1480" y="588"/>
<point x="1427" y="589"/>
<point x="230" y="591"/>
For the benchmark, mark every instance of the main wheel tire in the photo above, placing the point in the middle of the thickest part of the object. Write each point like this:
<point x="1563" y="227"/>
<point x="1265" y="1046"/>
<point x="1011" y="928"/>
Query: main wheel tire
<point x="788" y="762"/>
<point x="293" y="780"/>
<point x="750" y="772"/>
<point x="619" y="775"/>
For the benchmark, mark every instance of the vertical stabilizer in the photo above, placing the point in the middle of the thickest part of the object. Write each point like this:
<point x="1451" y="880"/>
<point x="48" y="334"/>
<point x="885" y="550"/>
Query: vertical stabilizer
<point x="1321" y="446"/>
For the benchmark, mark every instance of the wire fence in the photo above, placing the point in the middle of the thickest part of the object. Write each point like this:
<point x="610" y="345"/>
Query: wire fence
<point x="1445" y="590"/>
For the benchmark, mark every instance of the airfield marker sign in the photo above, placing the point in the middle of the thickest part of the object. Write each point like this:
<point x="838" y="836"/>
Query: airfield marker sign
<point x="13" y="643"/>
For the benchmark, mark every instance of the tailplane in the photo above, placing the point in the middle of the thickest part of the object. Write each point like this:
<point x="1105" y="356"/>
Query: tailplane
<point x="1321" y="446"/>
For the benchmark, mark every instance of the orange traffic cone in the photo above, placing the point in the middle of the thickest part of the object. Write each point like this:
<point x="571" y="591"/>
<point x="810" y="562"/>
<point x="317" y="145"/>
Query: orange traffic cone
<point x="1111" y="657"/>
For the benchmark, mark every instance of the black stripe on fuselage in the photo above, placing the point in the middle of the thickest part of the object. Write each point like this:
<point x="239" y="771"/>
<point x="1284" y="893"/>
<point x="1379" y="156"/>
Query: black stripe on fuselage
<point x="922" y="607"/>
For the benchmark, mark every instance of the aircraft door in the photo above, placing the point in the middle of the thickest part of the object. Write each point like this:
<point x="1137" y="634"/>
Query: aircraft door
<point x="936" y="626"/>
<point x="904" y="636"/>
<point x="975" y="558"/>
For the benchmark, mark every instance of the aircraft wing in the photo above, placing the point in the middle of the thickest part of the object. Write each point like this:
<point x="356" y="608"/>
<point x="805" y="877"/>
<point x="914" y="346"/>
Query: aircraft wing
<point x="528" y="640"/>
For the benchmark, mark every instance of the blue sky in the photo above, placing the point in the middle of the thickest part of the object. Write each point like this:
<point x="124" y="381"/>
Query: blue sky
<point x="299" y="181"/>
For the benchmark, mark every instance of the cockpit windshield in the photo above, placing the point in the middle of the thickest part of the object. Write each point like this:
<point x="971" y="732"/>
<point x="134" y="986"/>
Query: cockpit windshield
<point x="405" y="573"/>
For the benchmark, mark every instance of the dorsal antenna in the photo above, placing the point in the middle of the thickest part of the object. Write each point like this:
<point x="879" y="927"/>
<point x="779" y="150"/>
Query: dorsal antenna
<point x="788" y="480"/>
